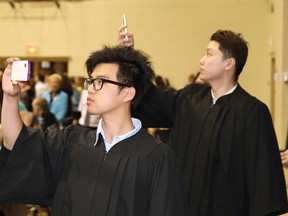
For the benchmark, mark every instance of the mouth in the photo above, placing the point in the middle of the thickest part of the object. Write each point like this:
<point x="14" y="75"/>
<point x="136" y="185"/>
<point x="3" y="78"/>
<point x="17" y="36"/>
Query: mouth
<point x="89" y="100"/>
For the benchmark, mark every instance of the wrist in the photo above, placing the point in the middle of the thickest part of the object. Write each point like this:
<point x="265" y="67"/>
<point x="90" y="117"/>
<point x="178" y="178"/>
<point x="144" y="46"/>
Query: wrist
<point x="11" y="98"/>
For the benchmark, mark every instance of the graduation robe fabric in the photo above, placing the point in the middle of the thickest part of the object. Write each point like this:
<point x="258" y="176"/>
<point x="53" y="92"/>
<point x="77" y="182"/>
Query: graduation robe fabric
<point x="228" y="151"/>
<point x="139" y="176"/>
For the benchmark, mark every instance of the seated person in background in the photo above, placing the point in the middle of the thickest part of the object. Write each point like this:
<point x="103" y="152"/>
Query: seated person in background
<point x="27" y="94"/>
<point x="40" y="84"/>
<point x="26" y="116"/>
<point x="43" y="118"/>
<point x="75" y="97"/>
<point x="117" y="170"/>
<point x="57" y="99"/>
<point x="71" y="120"/>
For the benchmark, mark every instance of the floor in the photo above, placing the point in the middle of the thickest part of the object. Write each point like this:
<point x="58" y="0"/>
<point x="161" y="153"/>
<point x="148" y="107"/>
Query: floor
<point x="23" y="210"/>
<point x="29" y="210"/>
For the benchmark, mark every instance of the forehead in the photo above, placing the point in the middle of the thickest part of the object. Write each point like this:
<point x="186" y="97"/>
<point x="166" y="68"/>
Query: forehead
<point x="54" y="80"/>
<point x="213" y="46"/>
<point x="105" y="69"/>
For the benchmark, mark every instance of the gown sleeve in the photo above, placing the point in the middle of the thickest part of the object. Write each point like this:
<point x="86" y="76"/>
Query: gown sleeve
<point x="159" y="108"/>
<point x="29" y="172"/>
<point x="167" y="191"/>
<point x="265" y="178"/>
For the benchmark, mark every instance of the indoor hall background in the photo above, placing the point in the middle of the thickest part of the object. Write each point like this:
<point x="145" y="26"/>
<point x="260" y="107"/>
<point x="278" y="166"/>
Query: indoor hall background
<point x="173" y="32"/>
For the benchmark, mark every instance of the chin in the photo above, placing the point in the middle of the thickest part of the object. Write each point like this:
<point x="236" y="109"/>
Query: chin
<point x="93" y="112"/>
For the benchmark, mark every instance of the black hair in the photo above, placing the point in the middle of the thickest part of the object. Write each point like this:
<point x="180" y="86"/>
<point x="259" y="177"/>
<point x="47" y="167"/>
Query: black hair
<point x="135" y="68"/>
<point x="232" y="45"/>
<point x="41" y="76"/>
<point x="159" y="81"/>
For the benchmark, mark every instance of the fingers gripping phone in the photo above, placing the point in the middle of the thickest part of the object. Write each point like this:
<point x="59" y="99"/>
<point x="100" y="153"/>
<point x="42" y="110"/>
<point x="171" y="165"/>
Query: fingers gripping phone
<point x="21" y="70"/>
<point x="125" y="23"/>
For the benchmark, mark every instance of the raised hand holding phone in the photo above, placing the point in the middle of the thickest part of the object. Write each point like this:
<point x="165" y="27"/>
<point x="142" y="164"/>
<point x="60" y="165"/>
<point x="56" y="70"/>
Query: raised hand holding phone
<point x="125" y="38"/>
<point x="125" y="23"/>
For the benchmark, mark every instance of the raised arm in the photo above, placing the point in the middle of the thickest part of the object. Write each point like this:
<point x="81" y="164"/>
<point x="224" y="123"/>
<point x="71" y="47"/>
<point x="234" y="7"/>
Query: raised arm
<point x="125" y="39"/>
<point x="10" y="118"/>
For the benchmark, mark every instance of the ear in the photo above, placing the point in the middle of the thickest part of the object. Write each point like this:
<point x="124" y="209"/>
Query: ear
<point x="129" y="94"/>
<point x="230" y="63"/>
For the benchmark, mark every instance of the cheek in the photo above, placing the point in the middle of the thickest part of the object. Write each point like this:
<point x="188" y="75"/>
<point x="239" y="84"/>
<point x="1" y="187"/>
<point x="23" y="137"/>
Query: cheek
<point x="215" y="65"/>
<point x="53" y="87"/>
<point x="104" y="101"/>
<point x="36" y="111"/>
<point x="111" y="99"/>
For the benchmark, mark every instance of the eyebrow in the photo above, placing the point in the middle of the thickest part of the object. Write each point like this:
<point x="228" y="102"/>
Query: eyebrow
<point x="101" y="76"/>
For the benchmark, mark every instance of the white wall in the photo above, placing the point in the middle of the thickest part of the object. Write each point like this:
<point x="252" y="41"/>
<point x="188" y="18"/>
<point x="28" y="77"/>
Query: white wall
<point x="174" y="33"/>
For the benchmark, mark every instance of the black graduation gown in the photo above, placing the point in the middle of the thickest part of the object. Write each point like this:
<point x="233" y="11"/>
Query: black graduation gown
<point x="139" y="176"/>
<point x="228" y="152"/>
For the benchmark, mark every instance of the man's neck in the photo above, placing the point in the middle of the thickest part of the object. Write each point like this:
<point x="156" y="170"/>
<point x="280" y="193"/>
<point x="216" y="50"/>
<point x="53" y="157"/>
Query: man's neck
<point x="116" y="126"/>
<point x="220" y="89"/>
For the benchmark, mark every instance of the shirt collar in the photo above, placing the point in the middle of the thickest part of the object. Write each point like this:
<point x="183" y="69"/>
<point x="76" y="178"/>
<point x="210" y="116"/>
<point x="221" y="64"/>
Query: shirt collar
<point x="214" y="99"/>
<point x="137" y="126"/>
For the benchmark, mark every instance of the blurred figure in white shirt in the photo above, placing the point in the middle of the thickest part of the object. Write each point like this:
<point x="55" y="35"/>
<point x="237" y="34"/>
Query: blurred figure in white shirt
<point x="86" y="119"/>
<point x="40" y="84"/>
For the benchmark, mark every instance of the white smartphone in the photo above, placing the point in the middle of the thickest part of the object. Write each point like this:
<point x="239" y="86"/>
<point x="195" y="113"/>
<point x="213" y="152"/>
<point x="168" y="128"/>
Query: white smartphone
<point x="125" y="23"/>
<point x="21" y="70"/>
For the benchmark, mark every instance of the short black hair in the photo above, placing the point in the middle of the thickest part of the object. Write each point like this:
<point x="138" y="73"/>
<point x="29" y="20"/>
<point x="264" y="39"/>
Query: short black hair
<point x="232" y="45"/>
<point x="135" y="68"/>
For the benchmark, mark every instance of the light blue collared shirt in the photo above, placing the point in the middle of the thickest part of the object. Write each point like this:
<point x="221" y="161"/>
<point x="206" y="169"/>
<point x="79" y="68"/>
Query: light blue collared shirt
<point x="137" y="126"/>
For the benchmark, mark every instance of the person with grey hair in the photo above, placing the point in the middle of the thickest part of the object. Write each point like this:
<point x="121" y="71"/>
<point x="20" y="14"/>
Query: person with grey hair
<point x="56" y="98"/>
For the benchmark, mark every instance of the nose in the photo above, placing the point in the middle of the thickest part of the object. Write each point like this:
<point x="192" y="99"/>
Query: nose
<point x="91" y="89"/>
<point x="201" y="61"/>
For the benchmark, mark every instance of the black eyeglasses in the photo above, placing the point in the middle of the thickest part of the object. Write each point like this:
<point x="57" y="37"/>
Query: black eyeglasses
<point x="98" y="83"/>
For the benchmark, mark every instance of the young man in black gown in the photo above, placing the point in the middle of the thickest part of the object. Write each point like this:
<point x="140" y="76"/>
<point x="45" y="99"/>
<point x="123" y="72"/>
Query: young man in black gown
<point x="223" y="136"/>
<point x="118" y="170"/>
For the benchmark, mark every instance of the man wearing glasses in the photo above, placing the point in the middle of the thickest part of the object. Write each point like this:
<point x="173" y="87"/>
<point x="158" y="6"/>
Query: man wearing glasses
<point x="118" y="170"/>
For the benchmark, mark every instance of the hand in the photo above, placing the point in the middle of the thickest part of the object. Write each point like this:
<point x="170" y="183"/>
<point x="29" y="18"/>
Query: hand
<point x="284" y="158"/>
<point x="10" y="88"/>
<point x="125" y="39"/>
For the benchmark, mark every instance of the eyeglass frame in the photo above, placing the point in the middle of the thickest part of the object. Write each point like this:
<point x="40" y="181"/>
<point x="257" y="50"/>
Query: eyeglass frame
<point x="102" y="83"/>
